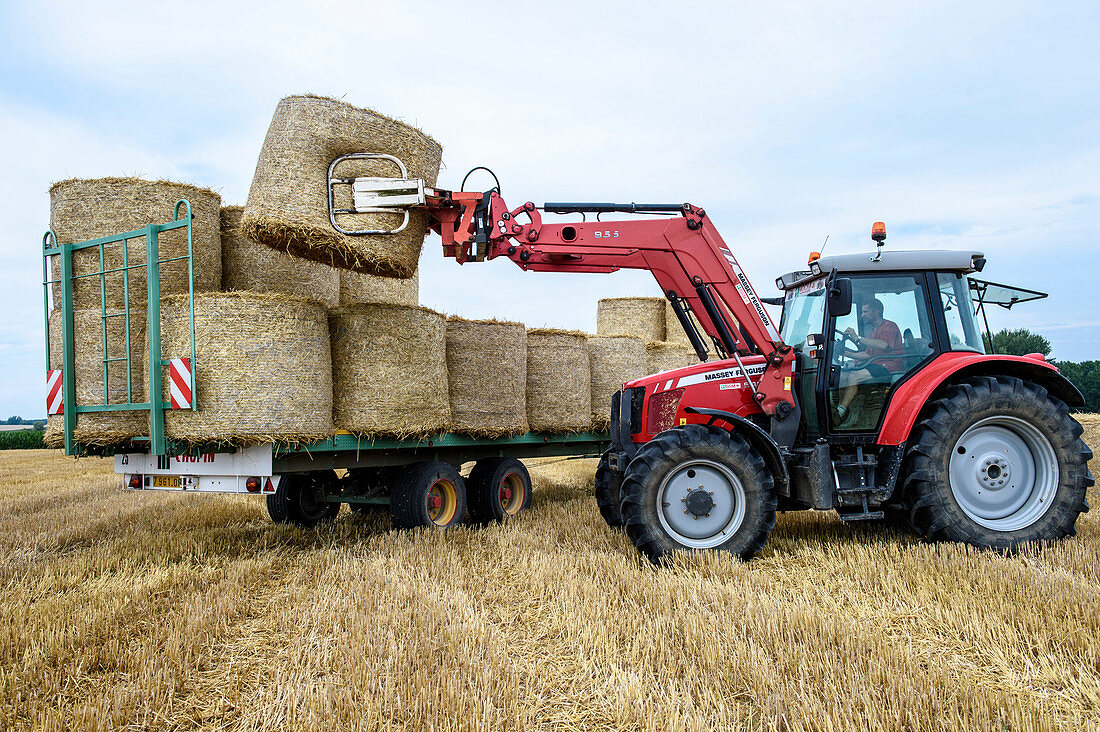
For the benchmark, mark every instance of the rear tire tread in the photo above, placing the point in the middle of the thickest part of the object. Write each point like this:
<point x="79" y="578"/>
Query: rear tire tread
<point x="933" y="511"/>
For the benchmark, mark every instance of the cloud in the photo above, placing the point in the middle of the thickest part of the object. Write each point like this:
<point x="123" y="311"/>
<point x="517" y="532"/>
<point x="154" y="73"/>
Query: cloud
<point x="787" y="121"/>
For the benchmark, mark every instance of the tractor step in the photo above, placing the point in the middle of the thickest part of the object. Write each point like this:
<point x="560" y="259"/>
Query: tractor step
<point x="864" y="516"/>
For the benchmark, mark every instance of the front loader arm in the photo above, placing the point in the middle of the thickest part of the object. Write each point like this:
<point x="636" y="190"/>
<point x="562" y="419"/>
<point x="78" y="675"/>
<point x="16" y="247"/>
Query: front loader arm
<point x="685" y="253"/>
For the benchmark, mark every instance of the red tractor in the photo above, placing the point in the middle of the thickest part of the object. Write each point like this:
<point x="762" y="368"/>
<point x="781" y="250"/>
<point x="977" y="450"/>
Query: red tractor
<point x="873" y="397"/>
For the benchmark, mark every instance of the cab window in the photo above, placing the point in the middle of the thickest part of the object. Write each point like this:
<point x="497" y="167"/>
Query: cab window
<point x="887" y="335"/>
<point x="963" y="332"/>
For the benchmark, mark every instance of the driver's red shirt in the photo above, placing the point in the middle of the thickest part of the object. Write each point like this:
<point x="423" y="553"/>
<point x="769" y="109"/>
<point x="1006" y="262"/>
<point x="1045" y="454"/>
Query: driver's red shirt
<point x="887" y="331"/>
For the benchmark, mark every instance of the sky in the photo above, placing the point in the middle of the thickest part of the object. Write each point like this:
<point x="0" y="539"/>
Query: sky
<point x="962" y="125"/>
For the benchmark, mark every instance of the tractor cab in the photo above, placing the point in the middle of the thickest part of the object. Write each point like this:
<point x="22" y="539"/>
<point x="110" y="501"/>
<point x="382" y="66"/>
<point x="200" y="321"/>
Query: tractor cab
<point x="863" y="324"/>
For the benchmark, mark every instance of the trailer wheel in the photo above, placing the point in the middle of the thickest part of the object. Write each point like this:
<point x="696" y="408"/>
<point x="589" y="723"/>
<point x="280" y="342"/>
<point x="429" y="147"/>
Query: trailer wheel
<point x="300" y="499"/>
<point x="697" y="487"/>
<point x="608" y="488"/>
<point x="499" y="488"/>
<point x="429" y="494"/>
<point x="998" y="462"/>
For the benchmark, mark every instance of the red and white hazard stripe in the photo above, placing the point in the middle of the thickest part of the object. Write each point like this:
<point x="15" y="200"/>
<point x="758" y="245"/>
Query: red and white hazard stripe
<point x="55" y="395"/>
<point x="179" y="376"/>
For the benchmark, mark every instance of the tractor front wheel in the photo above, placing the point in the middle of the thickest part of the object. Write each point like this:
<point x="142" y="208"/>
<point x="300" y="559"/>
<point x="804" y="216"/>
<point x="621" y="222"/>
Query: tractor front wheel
<point x="698" y="488"/>
<point x="608" y="498"/>
<point x="996" y="463"/>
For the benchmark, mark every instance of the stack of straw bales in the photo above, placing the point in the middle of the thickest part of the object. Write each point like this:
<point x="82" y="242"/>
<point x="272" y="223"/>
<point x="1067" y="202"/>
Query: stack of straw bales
<point x="364" y="289"/>
<point x="262" y="368"/>
<point x="640" y="317"/>
<point x="652" y="320"/>
<point x="389" y="370"/>
<point x="287" y="205"/>
<point x="101" y="428"/>
<point x="613" y="361"/>
<point x="487" y="377"/>
<point x="81" y="210"/>
<point x="251" y="267"/>
<point x="559" y="396"/>
<point x="665" y="356"/>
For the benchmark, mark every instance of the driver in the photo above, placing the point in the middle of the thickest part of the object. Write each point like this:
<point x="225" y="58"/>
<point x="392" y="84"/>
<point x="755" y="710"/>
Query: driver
<point x="883" y="339"/>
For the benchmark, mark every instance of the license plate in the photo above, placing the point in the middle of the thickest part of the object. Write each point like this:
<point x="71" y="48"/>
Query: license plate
<point x="167" y="481"/>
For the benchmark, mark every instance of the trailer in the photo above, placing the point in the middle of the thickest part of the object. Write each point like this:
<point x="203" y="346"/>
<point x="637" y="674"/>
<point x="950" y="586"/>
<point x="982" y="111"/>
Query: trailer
<point x="418" y="479"/>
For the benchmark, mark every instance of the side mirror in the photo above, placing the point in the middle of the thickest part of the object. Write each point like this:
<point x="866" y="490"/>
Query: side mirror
<point x="840" y="297"/>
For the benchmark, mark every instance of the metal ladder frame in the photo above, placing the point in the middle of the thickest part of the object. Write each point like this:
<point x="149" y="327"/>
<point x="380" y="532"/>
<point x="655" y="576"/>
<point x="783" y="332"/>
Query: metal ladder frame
<point x="158" y="442"/>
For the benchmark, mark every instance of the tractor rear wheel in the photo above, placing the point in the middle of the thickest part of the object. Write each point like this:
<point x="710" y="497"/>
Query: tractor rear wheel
<point x="608" y="498"/>
<point x="998" y="462"/>
<point x="696" y="487"/>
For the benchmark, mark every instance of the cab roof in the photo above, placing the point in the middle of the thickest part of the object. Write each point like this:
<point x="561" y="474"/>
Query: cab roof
<point x="891" y="260"/>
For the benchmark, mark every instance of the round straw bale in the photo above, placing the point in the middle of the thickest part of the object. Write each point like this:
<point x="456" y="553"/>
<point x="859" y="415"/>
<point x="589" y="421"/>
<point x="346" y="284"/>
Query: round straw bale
<point x="613" y="361"/>
<point x="559" y="389"/>
<point x="364" y="289"/>
<point x="263" y="370"/>
<point x="101" y="428"/>
<point x="675" y="333"/>
<point x="287" y="205"/>
<point x="81" y="210"/>
<point x="487" y="377"/>
<point x="389" y="370"/>
<point x="640" y="317"/>
<point x="252" y="267"/>
<point x="665" y="356"/>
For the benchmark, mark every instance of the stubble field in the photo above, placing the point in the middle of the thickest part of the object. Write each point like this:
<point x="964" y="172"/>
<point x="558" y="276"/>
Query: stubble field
<point x="151" y="611"/>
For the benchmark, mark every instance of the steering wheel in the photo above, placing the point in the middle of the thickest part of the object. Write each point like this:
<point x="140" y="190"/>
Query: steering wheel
<point x="847" y="358"/>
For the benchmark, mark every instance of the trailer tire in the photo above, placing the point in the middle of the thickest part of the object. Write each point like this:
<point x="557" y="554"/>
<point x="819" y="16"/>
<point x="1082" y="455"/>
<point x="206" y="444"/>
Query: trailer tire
<point x="430" y="494"/>
<point x="299" y="499"/>
<point x="997" y="463"/>
<point x="722" y="465"/>
<point x="497" y="490"/>
<point x="608" y="491"/>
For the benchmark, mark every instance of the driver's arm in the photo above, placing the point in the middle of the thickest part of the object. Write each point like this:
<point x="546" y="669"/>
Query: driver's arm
<point x="871" y="343"/>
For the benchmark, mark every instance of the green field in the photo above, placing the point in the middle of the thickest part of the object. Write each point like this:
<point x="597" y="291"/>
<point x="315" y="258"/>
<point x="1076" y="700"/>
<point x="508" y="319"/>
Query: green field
<point x="21" y="439"/>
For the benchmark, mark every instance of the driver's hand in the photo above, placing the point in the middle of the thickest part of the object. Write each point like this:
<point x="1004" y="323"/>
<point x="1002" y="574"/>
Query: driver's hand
<point x="850" y="332"/>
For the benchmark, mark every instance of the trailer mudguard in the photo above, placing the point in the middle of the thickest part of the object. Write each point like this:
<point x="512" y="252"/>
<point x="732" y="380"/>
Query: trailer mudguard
<point x="911" y="396"/>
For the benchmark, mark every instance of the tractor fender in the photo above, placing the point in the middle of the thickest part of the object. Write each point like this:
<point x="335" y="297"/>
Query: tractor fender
<point x="911" y="396"/>
<point x="761" y="441"/>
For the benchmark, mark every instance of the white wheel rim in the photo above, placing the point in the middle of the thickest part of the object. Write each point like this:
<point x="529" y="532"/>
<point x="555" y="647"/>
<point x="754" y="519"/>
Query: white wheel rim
<point x="1003" y="473"/>
<point x="697" y="481"/>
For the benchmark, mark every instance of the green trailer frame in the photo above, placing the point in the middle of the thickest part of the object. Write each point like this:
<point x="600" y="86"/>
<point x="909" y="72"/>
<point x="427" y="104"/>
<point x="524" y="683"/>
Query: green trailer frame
<point x="156" y="439"/>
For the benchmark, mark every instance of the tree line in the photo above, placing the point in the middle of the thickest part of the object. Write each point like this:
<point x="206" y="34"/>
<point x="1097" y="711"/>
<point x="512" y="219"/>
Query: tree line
<point x="1085" y="375"/>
